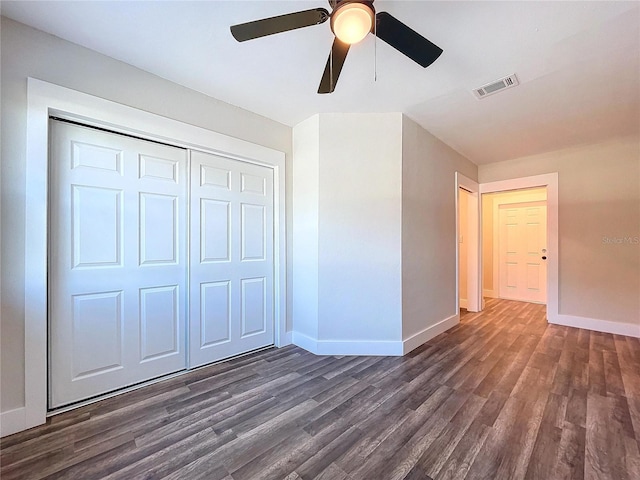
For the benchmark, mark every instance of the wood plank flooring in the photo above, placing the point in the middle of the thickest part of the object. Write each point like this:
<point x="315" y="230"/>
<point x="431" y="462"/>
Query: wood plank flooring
<point x="503" y="395"/>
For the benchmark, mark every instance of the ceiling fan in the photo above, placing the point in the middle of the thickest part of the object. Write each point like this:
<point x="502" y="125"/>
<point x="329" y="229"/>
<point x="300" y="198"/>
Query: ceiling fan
<point x="351" y="21"/>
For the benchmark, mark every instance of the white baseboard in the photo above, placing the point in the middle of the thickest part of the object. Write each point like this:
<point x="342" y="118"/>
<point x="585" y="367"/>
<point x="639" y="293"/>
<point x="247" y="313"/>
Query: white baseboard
<point x="489" y="293"/>
<point x="305" y="341"/>
<point x="414" y="341"/>
<point x="605" y="326"/>
<point x="13" y="421"/>
<point x="373" y="347"/>
<point x="349" y="347"/>
<point x="463" y="303"/>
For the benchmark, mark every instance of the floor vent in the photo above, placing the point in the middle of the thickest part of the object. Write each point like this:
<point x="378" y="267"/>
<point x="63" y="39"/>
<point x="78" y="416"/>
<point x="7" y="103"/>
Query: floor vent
<point x="495" y="87"/>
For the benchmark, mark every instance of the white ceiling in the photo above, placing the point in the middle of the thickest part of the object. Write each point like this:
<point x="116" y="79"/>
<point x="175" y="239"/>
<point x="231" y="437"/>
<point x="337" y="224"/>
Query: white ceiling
<point x="578" y="64"/>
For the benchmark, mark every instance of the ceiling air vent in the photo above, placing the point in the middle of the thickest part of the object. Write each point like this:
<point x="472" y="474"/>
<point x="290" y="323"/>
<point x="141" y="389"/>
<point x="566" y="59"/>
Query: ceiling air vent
<point x="495" y="87"/>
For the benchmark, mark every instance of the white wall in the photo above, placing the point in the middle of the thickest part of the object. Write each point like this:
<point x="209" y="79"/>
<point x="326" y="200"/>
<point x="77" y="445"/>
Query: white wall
<point x="360" y="226"/>
<point x="30" y="53"/>
<point x="385" y="193"/>
<point x="306" y="151"/>
<point x="428" y="230"/>
<point x="347" y="227"/>
<point x="599" y="199"/>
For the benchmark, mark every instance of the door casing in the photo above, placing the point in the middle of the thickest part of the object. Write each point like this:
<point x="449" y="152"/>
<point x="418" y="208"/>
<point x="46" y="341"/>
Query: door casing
<point x="474" y="291"/>
<point x="550" y="181"/>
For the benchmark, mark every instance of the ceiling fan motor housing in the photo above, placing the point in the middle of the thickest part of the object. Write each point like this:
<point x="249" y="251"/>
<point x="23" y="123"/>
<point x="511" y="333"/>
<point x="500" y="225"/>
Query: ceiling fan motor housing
<point x="341" y="6"/>
<point x="336" y="3"/>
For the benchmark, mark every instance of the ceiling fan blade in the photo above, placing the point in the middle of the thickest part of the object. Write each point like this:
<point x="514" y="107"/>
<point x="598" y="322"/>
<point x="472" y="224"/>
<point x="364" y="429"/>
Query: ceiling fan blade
<point x="406" y="40"/>
<point x="281" y="23"/>
<point x="332" y="70"/>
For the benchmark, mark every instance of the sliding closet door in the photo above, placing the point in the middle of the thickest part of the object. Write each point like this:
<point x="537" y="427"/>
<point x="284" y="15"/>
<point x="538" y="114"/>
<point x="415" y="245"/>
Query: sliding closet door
<point x="117" y="261"/>
<point x="231" y="261"/>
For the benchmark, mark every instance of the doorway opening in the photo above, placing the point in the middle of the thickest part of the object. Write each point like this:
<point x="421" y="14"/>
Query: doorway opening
<point x="514" y="245"/>
<point x="152" y="274"/>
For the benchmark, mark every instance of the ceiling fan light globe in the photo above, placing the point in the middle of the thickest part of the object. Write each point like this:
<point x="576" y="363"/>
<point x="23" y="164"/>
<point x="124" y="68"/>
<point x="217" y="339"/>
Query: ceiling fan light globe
<point x="352" y="22"/>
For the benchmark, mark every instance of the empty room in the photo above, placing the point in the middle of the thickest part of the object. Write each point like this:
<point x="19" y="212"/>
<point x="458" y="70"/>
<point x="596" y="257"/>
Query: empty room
<point x="334" y="240"/>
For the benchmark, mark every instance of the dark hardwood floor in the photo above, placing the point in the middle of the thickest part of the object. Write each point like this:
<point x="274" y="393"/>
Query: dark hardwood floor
<point x="501" y="396"/>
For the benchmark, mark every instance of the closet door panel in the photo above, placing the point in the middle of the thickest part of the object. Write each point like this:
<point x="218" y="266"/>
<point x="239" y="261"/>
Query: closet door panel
<point x="117" y="261"/>
<point x="232" y="263"/>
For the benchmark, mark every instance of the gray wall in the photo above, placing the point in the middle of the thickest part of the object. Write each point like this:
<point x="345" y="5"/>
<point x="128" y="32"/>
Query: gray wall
<point x="428" y="227"/>
<point x="599" y="199"/>
<point x="27" y="52"/>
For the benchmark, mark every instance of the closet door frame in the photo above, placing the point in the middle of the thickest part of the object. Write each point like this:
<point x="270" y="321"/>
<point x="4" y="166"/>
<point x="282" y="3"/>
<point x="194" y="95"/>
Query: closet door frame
<point x="46" y="100"/>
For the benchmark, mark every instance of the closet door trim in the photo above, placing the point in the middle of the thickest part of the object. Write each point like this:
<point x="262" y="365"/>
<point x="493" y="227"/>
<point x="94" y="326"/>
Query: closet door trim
<point x="45" y="100"/>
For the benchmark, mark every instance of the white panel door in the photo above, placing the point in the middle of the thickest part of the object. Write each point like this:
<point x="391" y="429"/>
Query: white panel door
<point x="231" y="261"/>
<point x="117" y="261"/>
<point x="522" y="246"/>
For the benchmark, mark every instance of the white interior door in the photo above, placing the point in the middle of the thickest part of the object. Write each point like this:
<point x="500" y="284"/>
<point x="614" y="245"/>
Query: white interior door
<point x="231" y="261"/>
<point x="117" y="261"/>
<point x="522" y="246"/>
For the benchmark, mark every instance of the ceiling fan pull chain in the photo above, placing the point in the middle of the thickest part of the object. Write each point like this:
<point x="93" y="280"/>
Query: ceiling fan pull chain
<point x="375" y="50"/>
